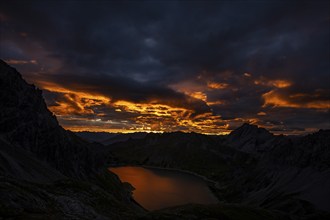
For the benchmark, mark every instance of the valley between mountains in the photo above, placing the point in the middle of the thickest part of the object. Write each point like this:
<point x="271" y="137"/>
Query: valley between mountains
<point x="47" y="172"/>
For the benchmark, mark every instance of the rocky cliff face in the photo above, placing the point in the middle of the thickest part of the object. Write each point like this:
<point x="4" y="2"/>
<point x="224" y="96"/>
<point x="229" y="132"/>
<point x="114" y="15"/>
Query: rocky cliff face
<point x="25" y="122"/>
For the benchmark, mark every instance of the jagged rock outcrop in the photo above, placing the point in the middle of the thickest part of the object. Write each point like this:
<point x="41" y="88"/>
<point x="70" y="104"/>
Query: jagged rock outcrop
<point x="25" y="122"/>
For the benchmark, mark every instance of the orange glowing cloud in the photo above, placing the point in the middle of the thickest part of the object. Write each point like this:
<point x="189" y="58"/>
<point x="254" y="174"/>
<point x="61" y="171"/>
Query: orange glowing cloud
<point x="80" y="110"/>
<point x="71" y="105"/>
<point x="281" y="83"/>
<point x="219" y="102"/>
<point x="73" y="102"/>
<point x="247" y="74"/>
<point x="161" y="110"/>
<point x="262" y="113"/>
<point x="53" y="87"/>
<point x="19" y="62"/>
<point x="276" y="99"/>
<point x="149" y="116"/>
<point x="214" y="85"/>
<point x="198" y="95"/>
<point x="273" y="83"/>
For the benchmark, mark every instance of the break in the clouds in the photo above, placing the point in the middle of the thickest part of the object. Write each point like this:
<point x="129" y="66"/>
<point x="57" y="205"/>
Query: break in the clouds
<point x="203" y="66"/>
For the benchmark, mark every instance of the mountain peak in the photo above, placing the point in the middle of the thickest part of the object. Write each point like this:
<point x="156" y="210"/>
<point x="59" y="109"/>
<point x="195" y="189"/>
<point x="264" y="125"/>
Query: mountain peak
<point x="249" y="129"/>
<point x="247" y="137"/>
<point x="6" y="71"/>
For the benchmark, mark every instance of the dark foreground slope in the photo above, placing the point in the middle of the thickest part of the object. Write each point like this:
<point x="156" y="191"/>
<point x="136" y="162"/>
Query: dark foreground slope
<point x="251" y="167"/>
<point x="46" y="171"/>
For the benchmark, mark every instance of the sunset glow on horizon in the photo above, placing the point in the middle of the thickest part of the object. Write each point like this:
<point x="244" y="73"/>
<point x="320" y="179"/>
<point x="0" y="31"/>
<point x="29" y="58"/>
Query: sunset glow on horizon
<point x="205" y="68"/>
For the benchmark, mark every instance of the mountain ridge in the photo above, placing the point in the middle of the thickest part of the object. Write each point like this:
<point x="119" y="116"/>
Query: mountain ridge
<point x="251" y="166"/>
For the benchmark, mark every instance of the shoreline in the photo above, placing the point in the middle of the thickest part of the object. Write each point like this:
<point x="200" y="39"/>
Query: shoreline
<point x="212" y="185"/>
<point x="166" y="168"/>
<point x="183" y="171"/>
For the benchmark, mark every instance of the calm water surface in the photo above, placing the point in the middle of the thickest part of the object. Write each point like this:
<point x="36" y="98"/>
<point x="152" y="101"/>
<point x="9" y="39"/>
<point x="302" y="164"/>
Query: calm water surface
<point x="158" y="188"/>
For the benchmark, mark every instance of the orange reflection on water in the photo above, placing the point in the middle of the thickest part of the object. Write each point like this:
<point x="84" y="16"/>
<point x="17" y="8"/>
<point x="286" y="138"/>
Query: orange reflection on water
<point x="156" y="188"/>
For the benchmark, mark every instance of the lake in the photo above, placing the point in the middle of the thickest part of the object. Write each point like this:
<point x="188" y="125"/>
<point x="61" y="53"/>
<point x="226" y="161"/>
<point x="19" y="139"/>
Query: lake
<point x="161" y="188"/>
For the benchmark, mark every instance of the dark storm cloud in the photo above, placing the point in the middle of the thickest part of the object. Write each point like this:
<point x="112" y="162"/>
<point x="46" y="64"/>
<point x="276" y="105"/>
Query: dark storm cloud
<point x="112" y="38"/>
<point x="137" y="51"/>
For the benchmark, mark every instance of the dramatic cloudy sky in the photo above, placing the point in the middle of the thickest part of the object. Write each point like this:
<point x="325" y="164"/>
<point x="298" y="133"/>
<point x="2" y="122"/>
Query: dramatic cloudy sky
<point x="203" y="66"/>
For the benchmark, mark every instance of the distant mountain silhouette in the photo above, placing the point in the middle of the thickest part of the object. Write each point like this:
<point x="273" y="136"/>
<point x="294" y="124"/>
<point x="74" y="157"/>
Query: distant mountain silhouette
<point x="249" y="138"/>
<point x="109" y="138"/>
<point x="250" y="165"/>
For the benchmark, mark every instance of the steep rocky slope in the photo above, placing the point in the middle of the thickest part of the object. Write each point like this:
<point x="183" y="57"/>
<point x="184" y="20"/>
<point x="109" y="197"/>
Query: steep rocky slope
<point x="26" y="123"/>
